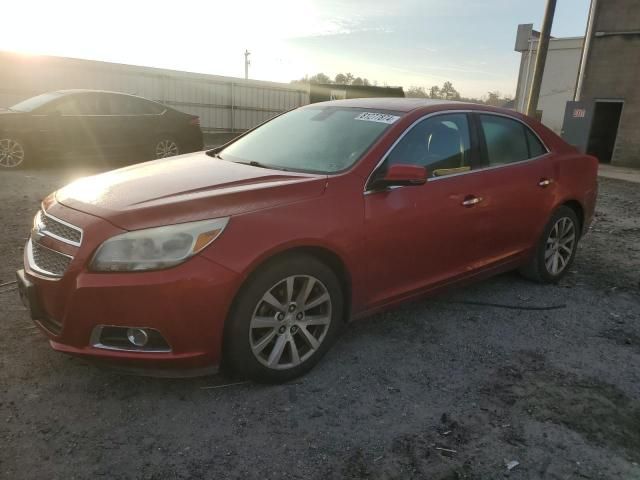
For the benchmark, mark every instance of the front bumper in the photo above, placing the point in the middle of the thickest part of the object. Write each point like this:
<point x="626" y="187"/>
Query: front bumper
<point x="187" y="304"/>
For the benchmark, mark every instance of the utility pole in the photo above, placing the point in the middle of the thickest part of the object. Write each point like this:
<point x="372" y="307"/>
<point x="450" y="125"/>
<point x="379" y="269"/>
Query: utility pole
<point x="541" y="57"/>
<point x="247" y="62"/>
<point x="586" y="48"/>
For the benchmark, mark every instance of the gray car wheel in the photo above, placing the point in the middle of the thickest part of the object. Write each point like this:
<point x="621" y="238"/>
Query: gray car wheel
<point x="557" y="248"/>
<point x="166" y="147"/>
<point x="12" y="153"/>
<point x="284" y="319"/>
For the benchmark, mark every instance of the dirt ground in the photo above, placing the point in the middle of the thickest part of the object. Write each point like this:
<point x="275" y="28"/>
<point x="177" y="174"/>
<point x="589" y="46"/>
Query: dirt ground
<point x="439" y="389"/>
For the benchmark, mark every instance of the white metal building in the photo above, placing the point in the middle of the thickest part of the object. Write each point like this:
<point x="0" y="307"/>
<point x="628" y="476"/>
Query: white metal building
<point x="224" y="104"/>
<point x="560" y="74"/>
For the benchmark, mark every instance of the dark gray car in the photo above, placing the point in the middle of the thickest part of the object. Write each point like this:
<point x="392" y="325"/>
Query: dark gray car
<point x="91" y="124"/>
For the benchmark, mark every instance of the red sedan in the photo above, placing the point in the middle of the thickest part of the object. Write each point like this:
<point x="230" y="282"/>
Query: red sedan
<point x="255" y="254"/>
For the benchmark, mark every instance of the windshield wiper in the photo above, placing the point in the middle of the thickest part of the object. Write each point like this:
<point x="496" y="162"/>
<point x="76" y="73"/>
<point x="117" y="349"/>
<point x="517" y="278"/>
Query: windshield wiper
<point x="214" y="153"/>
<point x="253" y="163"/>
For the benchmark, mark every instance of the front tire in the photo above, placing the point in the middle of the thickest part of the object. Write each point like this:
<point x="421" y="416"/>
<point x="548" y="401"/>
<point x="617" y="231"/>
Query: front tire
<point x="13" y="152"/>
<point x="284" y="320"/>
<point x="557" y="248"/>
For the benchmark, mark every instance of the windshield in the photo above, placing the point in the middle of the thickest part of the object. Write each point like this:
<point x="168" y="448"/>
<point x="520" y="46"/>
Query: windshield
<point x="315" y="139"/>
<point x="30" y="104"/>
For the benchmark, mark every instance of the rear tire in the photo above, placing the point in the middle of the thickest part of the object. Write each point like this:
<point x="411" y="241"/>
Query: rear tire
<point x="165" y="146"/>
<point x="284" y="320"/>
<point x="556" y="249"/>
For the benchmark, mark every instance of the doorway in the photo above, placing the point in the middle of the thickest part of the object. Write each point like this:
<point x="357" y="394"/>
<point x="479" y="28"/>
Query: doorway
<point x="604" y="129"/>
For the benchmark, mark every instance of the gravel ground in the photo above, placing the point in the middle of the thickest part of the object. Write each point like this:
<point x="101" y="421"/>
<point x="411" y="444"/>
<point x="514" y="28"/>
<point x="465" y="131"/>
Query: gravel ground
<point x="438" y="389"/>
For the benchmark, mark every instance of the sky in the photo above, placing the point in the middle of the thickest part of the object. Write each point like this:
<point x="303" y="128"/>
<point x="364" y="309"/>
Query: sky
<point x="399" y="42"/>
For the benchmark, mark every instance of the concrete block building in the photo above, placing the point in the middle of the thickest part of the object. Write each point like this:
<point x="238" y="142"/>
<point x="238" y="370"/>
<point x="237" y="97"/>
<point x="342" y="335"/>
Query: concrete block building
<point x="611" y="81"/>
<point x="599" y="111"/>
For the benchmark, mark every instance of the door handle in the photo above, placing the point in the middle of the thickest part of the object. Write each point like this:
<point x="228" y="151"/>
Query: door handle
<point x="545" y="182"/>
<point x="471" y="200"/>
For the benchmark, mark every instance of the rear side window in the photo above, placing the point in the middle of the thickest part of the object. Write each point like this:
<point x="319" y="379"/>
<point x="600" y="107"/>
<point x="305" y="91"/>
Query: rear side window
<point x="93" y="104"/>
<point x="508" y="140"/>
<point x="535" y="146"/>
<point x="125" y="105"/>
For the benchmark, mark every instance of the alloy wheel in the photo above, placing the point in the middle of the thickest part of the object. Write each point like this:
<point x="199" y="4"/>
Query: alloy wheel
<point x="11" y="153"/>
<point x="560" y="245"/>
<point x="290" y="322"/>
<point x="166" y="148"/>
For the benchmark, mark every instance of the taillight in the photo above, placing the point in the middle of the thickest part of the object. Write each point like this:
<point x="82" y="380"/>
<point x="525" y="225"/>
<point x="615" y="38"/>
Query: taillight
<point x="195" y="121"/>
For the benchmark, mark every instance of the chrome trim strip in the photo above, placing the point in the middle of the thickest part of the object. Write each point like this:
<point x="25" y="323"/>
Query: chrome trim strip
<point x="448" y="112"/>
<point x="388" y="189"/>
<point x="35" y="268"/>
<point x="484" y="169"/>
<point x="96" y="333"/>
<point x="61" y="239"/>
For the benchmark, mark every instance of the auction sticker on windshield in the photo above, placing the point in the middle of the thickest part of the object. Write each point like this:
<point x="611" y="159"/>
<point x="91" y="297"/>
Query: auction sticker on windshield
<point x="377" y="117"/>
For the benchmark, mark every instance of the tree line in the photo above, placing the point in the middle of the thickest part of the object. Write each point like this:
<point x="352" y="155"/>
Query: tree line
<point x="340" y="79"/>
<point x="448" y="92"/>
<point x="444" y="92"/>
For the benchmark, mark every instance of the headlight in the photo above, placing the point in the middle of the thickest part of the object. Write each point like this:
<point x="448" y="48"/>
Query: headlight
<point x="156" y="248"/>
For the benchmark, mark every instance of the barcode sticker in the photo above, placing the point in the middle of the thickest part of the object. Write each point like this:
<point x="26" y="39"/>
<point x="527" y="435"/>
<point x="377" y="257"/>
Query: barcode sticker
<point x="377" y="117"/>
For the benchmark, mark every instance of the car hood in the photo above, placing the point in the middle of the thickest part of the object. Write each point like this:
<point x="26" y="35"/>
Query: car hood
<point x="185" y="188"/>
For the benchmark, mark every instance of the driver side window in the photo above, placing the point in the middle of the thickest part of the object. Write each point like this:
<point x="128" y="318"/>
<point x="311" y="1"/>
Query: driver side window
<point x="440" y="143"/>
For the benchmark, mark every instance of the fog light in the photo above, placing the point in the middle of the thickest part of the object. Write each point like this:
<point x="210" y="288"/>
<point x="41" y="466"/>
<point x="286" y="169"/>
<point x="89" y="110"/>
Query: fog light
<point x="137" y="336"/>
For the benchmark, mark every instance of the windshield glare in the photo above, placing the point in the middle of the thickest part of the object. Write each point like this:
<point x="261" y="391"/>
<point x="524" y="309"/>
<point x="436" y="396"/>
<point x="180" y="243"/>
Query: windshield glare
<point x="30" y="104"/>
<point x="315" y="139"/>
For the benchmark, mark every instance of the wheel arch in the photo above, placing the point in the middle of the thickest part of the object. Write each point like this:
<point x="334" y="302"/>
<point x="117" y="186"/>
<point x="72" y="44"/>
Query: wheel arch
<point x="578" y="209"/>
<point x="325" y="255"/>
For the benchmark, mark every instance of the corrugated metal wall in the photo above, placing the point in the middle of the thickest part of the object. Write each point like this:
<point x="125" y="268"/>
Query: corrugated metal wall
<point x="224" y="104"/>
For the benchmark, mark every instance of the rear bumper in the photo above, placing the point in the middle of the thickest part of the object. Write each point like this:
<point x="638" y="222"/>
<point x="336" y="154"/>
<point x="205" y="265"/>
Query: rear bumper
<point x="187" y="304"/>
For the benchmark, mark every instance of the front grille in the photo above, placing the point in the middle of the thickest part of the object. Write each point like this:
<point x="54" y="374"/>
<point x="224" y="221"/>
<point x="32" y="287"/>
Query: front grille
<point x="47" y="261"/>
<point x="57" y="228"/>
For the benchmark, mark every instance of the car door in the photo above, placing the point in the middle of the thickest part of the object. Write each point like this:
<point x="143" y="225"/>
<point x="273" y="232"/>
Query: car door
<point x="77" y="125"/>
<point x="137" y="124"/>
<point x="421" y="236"/>
<point x="60" y="130"/>
<point x="99" y="125"/>
<point x="515" y="185"/>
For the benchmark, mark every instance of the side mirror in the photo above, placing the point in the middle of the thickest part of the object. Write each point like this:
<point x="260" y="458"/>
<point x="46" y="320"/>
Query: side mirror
<point x="401" y="175"/>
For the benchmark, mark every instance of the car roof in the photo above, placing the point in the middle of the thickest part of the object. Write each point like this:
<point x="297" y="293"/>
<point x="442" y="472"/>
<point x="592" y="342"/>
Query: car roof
<point x="74" y="91"/>
<point x="396" y="104"/>
<point x="87" y="90"/>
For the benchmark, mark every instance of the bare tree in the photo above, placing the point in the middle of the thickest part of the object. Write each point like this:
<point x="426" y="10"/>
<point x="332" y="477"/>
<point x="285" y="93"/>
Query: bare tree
<point x="448" y="92"/>
<point x="341" y="79"/>
<point x="320" y="78"/>
<point x="496" y="99"/>
<point x="416" y="92"/>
